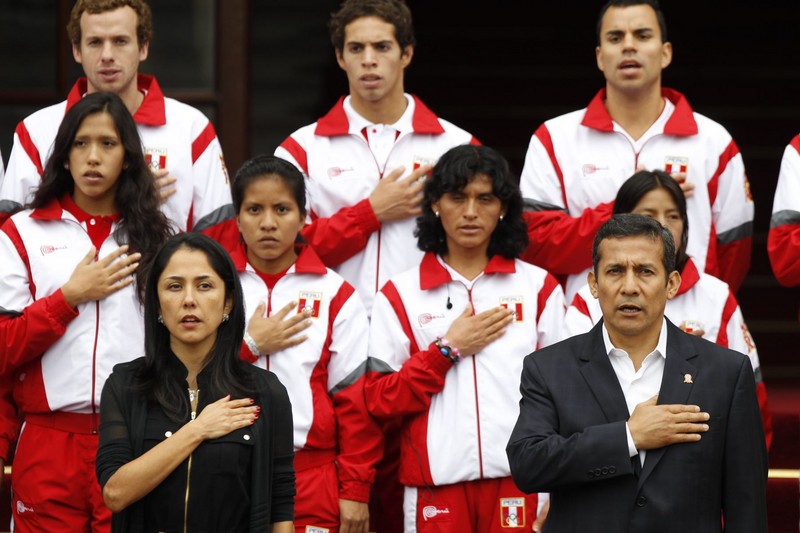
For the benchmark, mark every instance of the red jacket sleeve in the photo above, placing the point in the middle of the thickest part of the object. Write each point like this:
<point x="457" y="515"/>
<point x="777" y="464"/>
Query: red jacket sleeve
<point x="560" y="243"/>
<point x="343" y="235"/>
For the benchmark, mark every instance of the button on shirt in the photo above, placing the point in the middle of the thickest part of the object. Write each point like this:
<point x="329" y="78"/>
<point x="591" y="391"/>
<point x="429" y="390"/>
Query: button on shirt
<point x="380" y="137"/>
<point x="638" y="386"/>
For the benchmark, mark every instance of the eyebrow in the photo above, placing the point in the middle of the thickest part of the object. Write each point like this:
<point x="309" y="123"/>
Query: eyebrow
<point x="182" y="278"/>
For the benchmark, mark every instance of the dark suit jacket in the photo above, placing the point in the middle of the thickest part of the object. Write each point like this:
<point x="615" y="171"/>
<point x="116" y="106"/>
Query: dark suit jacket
<point x="570" y="440"/>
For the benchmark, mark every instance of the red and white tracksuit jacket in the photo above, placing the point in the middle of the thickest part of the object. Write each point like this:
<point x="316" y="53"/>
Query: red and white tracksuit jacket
<point x="175" y="136"/>
<point x="456" y="418"/>
<point x="324" y="375"/>
<point x="701" y="298"/>
<point x="783" y="242"/>
<point x="343" y="157"/>
<point x="577" y="162"/>
<point x="59" y="357"/>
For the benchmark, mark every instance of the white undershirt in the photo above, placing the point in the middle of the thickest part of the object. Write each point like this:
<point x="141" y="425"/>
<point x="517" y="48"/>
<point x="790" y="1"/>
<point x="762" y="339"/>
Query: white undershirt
<point x="657" y="128"/>
<point x="638" y="386"/>
<point x="380" y="137"/>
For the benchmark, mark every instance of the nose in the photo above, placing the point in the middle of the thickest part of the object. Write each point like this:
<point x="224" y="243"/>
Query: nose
<point x="629" y="42"/>
<point x="370" y="56"/>
<point x="471" y="209"/>
<point x="629" y="283"/>
<point x="189" y="298"/>
<point x="93" y="156"/>
<point x="267" y="219"/>
<point x="106" y="53"/>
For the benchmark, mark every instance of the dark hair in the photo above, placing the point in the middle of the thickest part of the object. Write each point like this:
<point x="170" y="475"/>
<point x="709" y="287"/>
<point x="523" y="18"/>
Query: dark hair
<point x="144" y="17"/>
<point x="662" y="22"/>
<point x="633" y="225"/>
<point x="141" y="221"/>
<point x="268" y="166"/>
<point x="394" y="12"/>
<point x="454" y="170"/>
<point x="641" y="183"/>
<point x="227" y="371"/>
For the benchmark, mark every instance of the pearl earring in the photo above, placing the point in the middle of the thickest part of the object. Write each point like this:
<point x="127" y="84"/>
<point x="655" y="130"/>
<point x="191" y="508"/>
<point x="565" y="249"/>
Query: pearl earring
<point x="436" y="213"/>
<point x="160" y="319"/>
<point x="225" y="317"/>
<point x="501" y="218"/>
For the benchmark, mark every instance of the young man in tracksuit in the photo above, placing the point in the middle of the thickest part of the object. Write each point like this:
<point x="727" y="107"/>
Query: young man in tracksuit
<point x="576" y="162"/>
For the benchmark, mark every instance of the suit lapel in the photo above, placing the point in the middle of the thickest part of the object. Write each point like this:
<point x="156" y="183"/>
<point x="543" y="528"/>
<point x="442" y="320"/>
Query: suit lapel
<point x="600" y="377"/>
<point x="679" y="378"/>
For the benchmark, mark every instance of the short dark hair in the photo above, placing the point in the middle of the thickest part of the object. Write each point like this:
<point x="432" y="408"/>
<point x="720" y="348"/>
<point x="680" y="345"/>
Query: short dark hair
<point x="268" y="166"/>
<point x="631" y="225"/>
<point x="454" y="170"/>
<point x="641" y="183"/>
<point x="394" y="12"/>
<point x="227" y="375"/>
<point x="144" y="17"/>
<point x="662" y="22"/>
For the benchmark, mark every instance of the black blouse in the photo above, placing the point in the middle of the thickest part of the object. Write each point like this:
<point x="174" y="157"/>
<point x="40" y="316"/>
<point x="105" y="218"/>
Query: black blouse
<point x="243" y="481"/>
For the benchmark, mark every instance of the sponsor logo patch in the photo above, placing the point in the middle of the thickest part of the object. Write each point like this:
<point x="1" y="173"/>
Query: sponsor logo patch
<point x="426" y="318"/>
<point x="590" y="168"/>
<point x="315" y="529"/>
<point x="49" y="249"/>
<point x="512" y="512"/>
<point x="310" y="301"/>
<point x="22" y="508"/>
<point x="335" y="172"/>
<point x="514" y="303"/>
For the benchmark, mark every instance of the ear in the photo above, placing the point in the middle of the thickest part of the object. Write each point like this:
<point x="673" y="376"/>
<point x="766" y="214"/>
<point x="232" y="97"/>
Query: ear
<point x="340" y="59"/>
<point x="597" y="58"/>
<point x="666" y="54"/>
<point x="228" y="305"/>
<point x="673" y="284"/>
<point x="591" y="279"/>
<point x="76" y="52"/>
<point x="406" y="55"/>
<point x="435" y="206"/>
<point x="144" y="50"/>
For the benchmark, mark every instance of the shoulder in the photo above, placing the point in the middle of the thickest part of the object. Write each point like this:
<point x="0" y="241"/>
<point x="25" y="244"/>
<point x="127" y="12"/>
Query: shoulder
<point x="709" y="354"/>
<point x="557" y="356"/>
<point x="711" y="128"/>
<point x="45" y="116"/>
<point x="462" y="135"/>
<point x="183" y="112"/>
<point x="564" y="122"/>
<point x="125" y="373"/>
<point x="266" y="382"/>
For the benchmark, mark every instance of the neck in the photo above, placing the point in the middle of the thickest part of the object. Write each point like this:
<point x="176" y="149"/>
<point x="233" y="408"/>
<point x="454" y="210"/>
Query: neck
<point x="388" y="110"/>
<point x="467" y="263"/>
<point x="635" y="112"/>
<point x="130" y="96"/>
<point x="193" y="359"/>
<point x="637" y="347"/>
<point x="273" y="266"/>
<point x="95" y="209"/>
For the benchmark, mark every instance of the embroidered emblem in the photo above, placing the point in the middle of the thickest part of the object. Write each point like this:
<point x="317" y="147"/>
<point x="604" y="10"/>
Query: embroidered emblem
<point x="515" y="303"/>
<point x="421" y="160"/>
<point x="590" y="168"/>
<point x="512" y="512"/>
<point x="690" y="326"/>
<point x="675" y="164"/>
<point x="436" y="513"/>
<point x="335" y="172"/>
<point x="310" y="301"/>
<point x="49" y="249"/>
<point x="156" y="158"/>
<point x="748" y="340"/>
<point x="315" y="529"/>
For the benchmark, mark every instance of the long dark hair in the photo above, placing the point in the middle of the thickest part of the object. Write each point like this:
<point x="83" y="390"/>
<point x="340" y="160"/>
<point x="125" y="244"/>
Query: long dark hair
<point x="227" y="372"/>
<point x="633" y="190"/>
<point x="454" y="170"/>
<point x="142" y="223"/>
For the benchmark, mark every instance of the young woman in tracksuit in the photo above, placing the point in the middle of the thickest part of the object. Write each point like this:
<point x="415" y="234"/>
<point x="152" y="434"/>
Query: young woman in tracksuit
<point x="447" y="341"/>
<point x="72" y="267"/>
<point x="309" y="327"/>
<point x="704" y="305"/>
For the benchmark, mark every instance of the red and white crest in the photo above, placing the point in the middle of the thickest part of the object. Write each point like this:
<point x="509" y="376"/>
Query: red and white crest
<point x="674" y="164"/>
<point x="512" y="512"/>
<point x="421" y="160"/>
<point x="515" y="303"/>
<point x="311" y="301"/>
<point x="156" y="158"/>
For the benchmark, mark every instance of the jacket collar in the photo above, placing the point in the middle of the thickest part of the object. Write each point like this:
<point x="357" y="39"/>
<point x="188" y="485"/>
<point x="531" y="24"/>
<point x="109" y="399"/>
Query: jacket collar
<point x="681" y="122"/>
<point x="152" y="112"/>
<point x="689" y="277"/>
<point x="52" y="210"/>
<point x="432" y="273"/>
<point x="308" y="262"/>
<point x="335" y="121"/>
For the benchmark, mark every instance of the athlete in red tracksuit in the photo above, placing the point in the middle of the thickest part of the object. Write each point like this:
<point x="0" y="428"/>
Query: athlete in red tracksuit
<point x="783" y="241"/>
<point x="337" y="443"/>
<point x="69" y="309"/>
<point x="447" y="340"/>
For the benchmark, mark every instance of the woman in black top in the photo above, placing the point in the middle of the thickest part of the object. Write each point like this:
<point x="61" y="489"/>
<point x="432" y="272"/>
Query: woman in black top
<point x="191" y="437"/>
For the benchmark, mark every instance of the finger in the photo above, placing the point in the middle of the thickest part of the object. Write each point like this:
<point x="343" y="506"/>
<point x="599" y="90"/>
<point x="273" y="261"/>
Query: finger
<point x="680" y="177"/>
<point x="292" y="341"/>
<point x="259" y="312"/>
<point x="240" y="402"/>
<point x="285" y="310"/>
<point x="682" y="408"/>
<point x="420" y="173"/>
<point x="650" y="401"/>
<point x="414" y="187"/>
<point x="116" y="254"/>
<point x="89" y="257"/>
<point x="395" y="174"/>
<point x="297" y="322"/>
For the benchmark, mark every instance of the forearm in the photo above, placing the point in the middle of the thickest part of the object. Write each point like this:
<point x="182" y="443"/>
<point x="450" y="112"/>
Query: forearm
<point x="137" y="478"/>
<point x="283" y="527"/>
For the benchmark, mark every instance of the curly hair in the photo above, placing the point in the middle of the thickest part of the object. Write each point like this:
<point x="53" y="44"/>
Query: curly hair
<point x="454" y="170"/>
<point x="144" y="17"/>
<point x="395" y="12"/>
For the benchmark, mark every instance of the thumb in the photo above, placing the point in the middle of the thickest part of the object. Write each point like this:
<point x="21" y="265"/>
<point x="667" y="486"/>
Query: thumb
<point x="651" y="401"/>
<point x="467" y="310"/>
<point x="90" y="255"/>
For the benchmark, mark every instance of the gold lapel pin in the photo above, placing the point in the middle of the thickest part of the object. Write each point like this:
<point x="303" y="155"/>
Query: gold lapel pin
<point x="687" y="378"/>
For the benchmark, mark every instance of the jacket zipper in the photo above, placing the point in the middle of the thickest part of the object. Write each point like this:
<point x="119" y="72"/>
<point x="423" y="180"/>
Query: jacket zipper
<point x="189" y="475"/>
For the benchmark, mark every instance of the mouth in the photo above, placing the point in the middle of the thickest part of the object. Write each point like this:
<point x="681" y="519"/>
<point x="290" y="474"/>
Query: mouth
<point x="108" y="74"/>
<point x="92" y="176"/>
<point x="629" y="309"/>
<point x="370" y="80"/>
<point x="190" y="320"/>
<point x="629" y="65"/>
<point x="268" y="240"/>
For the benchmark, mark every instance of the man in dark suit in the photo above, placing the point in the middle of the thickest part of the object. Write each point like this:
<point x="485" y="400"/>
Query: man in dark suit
<point x="637" y="426"/>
